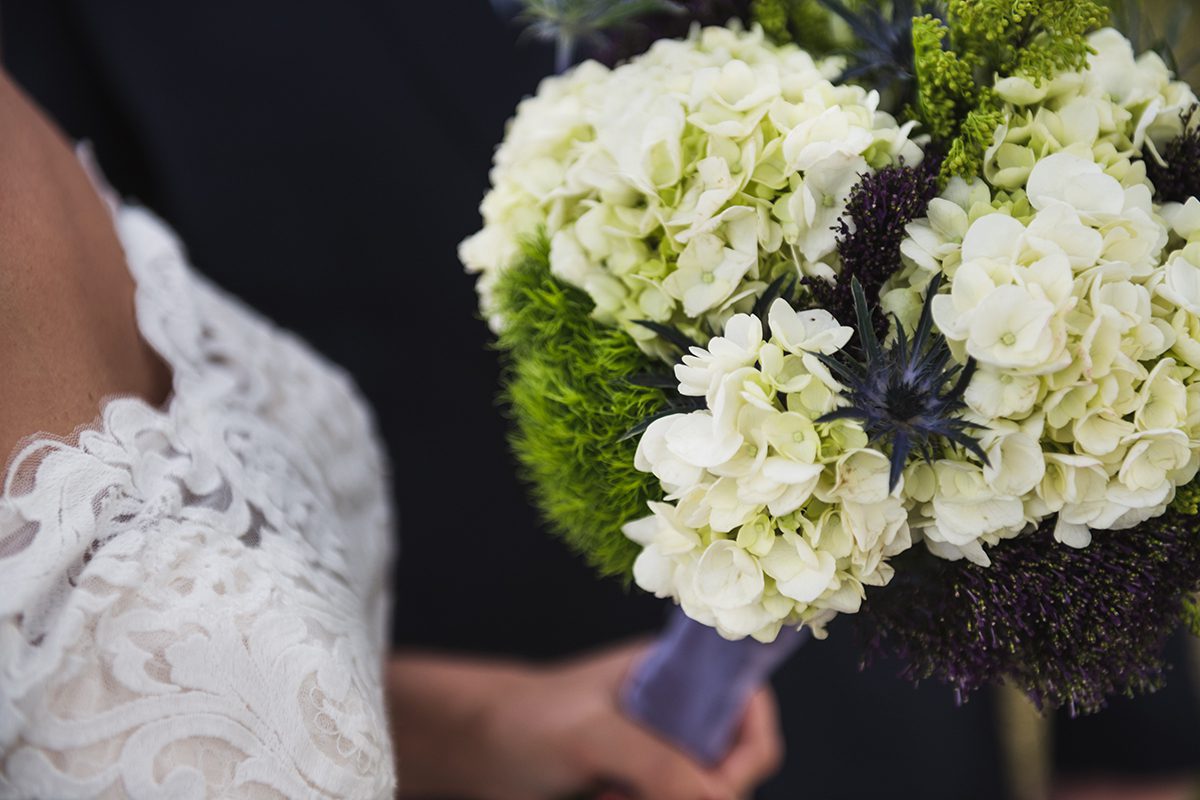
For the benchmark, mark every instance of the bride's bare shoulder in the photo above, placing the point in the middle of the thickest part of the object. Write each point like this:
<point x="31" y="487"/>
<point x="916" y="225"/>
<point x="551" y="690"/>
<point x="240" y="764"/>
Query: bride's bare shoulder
<point x="68" y="335"/>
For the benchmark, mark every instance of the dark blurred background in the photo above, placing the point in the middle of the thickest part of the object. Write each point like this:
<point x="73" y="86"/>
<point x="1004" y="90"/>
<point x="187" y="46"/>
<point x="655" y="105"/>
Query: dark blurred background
<point x="322" y="160"/>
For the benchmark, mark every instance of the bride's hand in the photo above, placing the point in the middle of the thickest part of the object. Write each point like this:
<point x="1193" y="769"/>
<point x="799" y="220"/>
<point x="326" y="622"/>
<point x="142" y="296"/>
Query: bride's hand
<point x="511" y="732"/>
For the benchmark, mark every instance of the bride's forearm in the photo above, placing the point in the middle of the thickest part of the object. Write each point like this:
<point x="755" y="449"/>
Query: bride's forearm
<point x="439" y="712"/>
<point x="490" y="730"/>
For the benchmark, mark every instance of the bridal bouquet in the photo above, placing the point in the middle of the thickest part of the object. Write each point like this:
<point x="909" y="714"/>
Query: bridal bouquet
<point x="909" y="333"/>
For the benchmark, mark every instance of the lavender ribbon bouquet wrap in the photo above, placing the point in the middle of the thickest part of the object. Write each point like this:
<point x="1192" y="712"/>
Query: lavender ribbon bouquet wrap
<point x="779" y="355"/>
<point x="694" y="685"/>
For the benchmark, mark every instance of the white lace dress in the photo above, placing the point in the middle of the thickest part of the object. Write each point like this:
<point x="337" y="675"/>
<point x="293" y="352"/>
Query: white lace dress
<point x="193" y="600"/>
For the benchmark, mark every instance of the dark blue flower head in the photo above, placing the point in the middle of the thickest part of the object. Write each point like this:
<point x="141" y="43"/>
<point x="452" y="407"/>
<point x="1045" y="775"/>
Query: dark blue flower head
<point x="883" y="54"/>
<point x="909" y="396"/>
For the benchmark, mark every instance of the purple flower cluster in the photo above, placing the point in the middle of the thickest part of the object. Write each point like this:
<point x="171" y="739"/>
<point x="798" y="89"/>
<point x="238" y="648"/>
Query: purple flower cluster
<point x="1069" y="627"/>
<point x="870" y="233"/>
<point x="1179" y="179"/>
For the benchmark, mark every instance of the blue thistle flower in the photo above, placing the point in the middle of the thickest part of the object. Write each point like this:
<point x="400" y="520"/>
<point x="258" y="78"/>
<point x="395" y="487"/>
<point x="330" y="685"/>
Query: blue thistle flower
<point x="884" y="54"/>
<point x="569" y="23"/>
<point x="908" y="396"/>
<point x="612" y="31"/>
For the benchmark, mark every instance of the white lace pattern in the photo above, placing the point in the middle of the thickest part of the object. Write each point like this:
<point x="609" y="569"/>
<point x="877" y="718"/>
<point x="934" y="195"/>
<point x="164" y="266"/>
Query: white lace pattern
<point x="193" y="600"/>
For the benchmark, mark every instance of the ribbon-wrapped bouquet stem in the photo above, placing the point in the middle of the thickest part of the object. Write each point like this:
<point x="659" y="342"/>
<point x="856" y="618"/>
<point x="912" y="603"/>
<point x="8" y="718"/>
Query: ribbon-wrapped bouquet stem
<point x="908" y="335"/>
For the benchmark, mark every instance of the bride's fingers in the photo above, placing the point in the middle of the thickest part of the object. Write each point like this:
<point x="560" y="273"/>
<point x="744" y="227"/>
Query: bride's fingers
<point x="642" y="765"/>
<point x="757" y="752"/>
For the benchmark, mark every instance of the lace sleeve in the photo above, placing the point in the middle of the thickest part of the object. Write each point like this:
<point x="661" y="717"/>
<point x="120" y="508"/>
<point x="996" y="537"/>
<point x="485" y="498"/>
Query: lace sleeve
<point x="180" y="665"/>
<point x="193" y="599"/>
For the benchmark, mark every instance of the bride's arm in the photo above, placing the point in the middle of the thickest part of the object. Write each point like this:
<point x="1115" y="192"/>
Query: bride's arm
<point x="492" y="730"/>
<point x="68" y="337"/>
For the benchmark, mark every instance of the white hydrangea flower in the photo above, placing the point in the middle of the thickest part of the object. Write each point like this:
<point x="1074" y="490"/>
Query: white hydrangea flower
<point x="1181" y="282"/>
<point x="772" y="518"/>
<point x="1079" y="299"/>
<point x="677" y="185"/>
<point x="800" y="571"/>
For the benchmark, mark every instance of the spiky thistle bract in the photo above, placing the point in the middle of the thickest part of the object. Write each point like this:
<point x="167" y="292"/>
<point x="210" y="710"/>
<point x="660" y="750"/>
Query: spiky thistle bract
<point x="883" y="53"/>
<point x="784" y="287"/>
<point x="908" y="396"/>
<point x="568" y="23"/>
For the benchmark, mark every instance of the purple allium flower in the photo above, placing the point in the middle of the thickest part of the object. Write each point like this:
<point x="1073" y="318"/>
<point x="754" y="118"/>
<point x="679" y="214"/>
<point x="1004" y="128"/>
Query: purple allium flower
<point x="909" y="396"/>
<point x="1069" y="627"/>
<point x="870" y="233"/>
<point x="1180" y="178"/>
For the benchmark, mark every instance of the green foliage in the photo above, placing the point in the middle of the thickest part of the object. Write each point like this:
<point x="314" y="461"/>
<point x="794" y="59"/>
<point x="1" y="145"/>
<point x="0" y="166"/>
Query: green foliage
<point x="1187" y="503"/>
<point x="804" y="22"/>
<point x="1032" y="38"/>
<point x="983" y="40"/>
<point x="1191" y="614"/>
<point x="570" y="403"/>
<point x="975" y="136"/>
<point x="1187" y="499"/>
<point x="946" y="90"/>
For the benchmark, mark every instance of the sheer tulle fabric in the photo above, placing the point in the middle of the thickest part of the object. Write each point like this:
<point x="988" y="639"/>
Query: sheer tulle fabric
<point x="193" y="599"/>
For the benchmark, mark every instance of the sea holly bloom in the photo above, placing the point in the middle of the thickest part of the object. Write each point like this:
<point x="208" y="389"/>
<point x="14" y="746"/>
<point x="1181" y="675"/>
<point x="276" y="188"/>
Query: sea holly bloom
<point x="908" y="395"/>
<point x="771" y="489"/>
